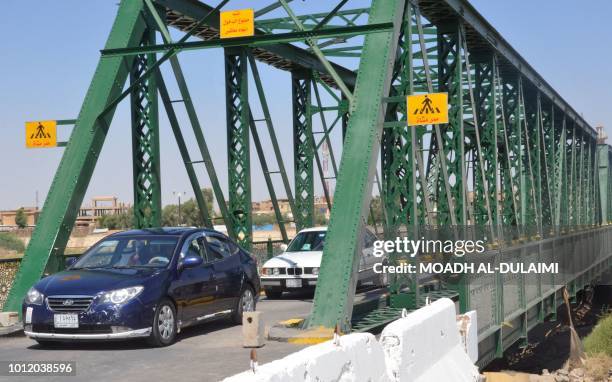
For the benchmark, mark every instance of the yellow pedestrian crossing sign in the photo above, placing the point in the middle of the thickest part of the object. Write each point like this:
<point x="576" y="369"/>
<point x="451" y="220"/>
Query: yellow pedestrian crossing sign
<point x="427" y="109"/>
<point x="41" y="134"/>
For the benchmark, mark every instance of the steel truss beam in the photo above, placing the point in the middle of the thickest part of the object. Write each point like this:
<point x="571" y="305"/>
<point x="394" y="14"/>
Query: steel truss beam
<point x="238" y="122"/>
<point x="145" y="141"/>
<point x="182" y="14"/>
<point x="333" y="302"/>
<point x="303" y="150"/>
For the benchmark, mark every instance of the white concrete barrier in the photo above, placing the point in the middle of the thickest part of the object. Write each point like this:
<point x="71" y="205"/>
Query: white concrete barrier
<point x="357" y="357"/>
<point x="424" y="346"/>
<point x="467" y="325"/>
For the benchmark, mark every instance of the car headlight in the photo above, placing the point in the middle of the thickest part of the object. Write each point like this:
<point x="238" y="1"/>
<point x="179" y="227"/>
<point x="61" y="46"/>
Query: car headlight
<point x="315" y="271"/>
<point x="276" y="271"/>
<point x="265" y="271"/>
<point x="120" y="296"/>
<point x="34" y="297"/>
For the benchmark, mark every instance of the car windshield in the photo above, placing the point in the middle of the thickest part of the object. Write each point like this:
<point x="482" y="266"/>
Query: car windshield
<point x="129" y="252"/>
<point x="307" y="242"/>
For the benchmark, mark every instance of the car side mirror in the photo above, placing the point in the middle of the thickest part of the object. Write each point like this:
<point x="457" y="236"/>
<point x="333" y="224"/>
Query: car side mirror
<point x="284" y="247"/>
<point x="191" y="261"/>
<point x="70" y="261"/>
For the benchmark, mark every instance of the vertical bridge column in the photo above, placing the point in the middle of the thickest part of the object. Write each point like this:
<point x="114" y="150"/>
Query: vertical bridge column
<point x="303" y="148"/>
<point x="333" y="302"/>
<point x="145" y="141"/>
<point x="450" y="79"/>
<point x="238" y="160"/>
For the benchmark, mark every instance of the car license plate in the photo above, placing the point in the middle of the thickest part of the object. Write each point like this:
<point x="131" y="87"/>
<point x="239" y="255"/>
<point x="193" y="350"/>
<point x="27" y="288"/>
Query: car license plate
<point x="65" y="320"/>
<point x="294" y="283"/>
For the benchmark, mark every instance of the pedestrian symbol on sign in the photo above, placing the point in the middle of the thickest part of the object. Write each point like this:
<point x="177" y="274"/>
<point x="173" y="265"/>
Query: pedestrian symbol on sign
<point x="427" y="109"/>
<point x="41" y="134"/>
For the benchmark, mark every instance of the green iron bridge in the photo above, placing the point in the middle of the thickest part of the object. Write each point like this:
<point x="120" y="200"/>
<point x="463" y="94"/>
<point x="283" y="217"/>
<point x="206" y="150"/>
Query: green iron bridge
<point x="515" y="164"/>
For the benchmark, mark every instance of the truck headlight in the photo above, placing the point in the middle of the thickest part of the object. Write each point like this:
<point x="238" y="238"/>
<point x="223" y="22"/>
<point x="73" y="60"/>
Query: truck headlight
<point x="119" y="296"/>
<point x="34" y="297"/>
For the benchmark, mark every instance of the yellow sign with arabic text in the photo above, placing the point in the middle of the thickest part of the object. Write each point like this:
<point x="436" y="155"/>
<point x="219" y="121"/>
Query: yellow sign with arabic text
<point x="237" y="23"/>
<point x="40" y="134"/>
<point x="427" y="109"/>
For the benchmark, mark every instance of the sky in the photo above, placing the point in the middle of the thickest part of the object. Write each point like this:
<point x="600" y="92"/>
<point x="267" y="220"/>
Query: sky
<point x="48" y="60"/>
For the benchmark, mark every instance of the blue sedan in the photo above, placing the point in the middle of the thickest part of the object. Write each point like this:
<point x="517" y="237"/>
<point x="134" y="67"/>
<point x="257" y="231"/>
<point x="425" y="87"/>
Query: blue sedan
<point x="144" y="283"/>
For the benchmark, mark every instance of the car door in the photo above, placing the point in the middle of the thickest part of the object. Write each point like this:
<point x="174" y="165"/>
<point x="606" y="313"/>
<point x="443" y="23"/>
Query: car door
<point x="196" y="288"/>
<point x="227" y="268"/>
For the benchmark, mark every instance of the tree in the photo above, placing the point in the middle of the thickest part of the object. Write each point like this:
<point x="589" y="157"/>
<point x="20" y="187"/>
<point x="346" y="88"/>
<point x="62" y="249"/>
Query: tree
<point x="123" y="220"/>
<point x="20" y="218"/>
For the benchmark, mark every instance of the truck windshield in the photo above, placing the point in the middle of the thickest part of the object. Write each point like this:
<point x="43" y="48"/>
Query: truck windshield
<point x="129" y="252"/>
<point x="307" y="242"/>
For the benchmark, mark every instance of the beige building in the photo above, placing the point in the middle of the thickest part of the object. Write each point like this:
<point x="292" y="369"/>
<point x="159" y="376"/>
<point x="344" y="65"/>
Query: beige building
<point x="7" y="218"/>
<point x="100" y="206"/>
<point x="266" y="207"/>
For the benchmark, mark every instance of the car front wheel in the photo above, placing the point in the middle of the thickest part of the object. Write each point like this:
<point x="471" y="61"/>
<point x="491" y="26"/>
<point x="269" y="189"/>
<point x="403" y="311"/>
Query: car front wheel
<point x="164" y="330"/>
<point x="246" y="303"/>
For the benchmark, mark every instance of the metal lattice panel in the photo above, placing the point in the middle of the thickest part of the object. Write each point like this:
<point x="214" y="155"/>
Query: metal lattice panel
<point x="145" y="144"/>
<point x="303" y="149"/>
<point x="237" y="110"/>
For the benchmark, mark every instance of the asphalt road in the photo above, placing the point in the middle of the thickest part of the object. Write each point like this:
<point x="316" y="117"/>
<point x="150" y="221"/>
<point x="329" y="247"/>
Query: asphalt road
<point x="208" y="352"/>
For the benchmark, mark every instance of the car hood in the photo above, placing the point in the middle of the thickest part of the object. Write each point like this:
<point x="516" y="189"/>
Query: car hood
<point x="295" y="259"/>
<point x="89" y="282"/>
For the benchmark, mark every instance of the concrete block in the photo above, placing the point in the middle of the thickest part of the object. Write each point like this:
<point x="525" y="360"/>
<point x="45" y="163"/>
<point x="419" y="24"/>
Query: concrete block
<point x="253" y="331"/>
<point x="467" y="325"/>
<point x="8" y="318"/>
<point x="425" y="346"/>
<point x="356" y="358"/>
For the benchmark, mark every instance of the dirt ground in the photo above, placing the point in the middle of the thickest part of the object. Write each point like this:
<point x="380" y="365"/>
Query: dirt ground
<point x="549" y="342"/>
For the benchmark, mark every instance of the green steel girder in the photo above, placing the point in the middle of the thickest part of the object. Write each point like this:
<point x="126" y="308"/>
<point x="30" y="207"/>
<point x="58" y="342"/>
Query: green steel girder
<point x="257" y="41"/>
<point x="512" y="169"/>
<point x="238" y="122"/>
<point x="450" y="80"/>
<point x="547" y="153"/>
<point x="396" y="143"/>
<point x="333" y="302"/>
<point x="80" y="156"/>
<point x="486" y="110"/>
<point x="182" y="14"/>
<point x="405" y="204"/>
<point x="345" y="17"/>
<point x="303" y="149"/>
<point x="529" y="204"/>
<point x="145" y="141"/>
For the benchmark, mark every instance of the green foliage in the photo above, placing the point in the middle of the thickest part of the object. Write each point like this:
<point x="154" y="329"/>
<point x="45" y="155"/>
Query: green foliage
<point x="600" y="339"/>
<point x="21" y="218"/>
<point x="264" y="219"/>
<point x="190" y="212"/>
<point x="11" y="242"/>
<point x="119" y="221"/>
<point x="376" y="209"/>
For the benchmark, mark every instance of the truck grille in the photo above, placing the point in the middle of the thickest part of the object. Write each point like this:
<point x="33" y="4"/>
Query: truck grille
<point x="69" y="303"/>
